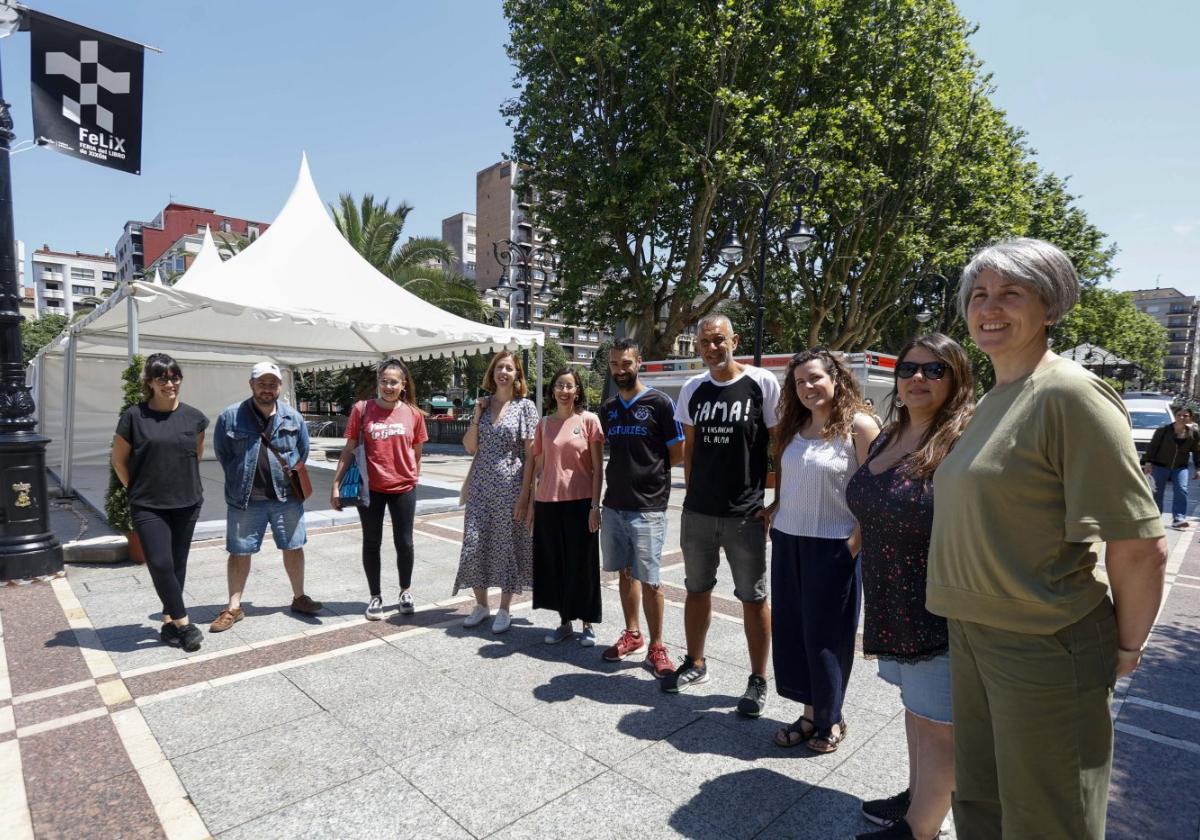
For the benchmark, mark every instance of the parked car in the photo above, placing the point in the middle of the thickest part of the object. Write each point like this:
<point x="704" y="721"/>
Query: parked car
<point x="1147" y="414"/>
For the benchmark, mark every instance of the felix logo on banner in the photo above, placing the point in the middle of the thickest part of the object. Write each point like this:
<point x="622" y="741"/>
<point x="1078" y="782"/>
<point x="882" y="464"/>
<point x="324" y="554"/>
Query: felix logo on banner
<point x="87" y="93"/>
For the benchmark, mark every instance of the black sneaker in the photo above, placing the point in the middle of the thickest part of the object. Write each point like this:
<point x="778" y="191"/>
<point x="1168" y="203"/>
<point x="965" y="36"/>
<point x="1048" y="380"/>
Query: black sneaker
<point x="886" y="811"/>
<point x="170" y="635"/>
<point x="686" y="675"/>
<point x="191" y="637"/>
<point x="899" y="830"/>
<point x="755" y="699"/>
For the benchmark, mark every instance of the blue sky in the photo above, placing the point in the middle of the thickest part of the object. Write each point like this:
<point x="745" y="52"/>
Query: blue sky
<point x="401" y="99"/>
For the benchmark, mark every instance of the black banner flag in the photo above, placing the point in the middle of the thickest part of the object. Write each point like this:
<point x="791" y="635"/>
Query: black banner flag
<point x="87" y="92"/>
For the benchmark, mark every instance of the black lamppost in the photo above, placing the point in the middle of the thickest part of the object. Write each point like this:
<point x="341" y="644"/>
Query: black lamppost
<point x="27" y="545"/>
<point x="932" y="285"/>
<point x="1095" y="353"/>
<point x="518" y="262"/>
<point x="800" y="236"/>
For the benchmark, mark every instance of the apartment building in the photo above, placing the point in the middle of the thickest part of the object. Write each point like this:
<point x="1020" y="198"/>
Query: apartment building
<point x="143" y="243"/>
<point x="63" y="281"/>
<point x="459" y="231"/>
<point x="1177" y="312"/>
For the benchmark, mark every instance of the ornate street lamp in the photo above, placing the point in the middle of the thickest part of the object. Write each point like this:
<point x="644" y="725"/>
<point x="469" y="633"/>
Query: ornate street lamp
<point x="518" y="261"/>
<point x="799" y="238"/>
<point x="931" y="285"/>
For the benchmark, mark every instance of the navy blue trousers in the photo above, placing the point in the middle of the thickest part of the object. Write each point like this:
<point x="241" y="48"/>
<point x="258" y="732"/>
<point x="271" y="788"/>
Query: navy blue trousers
<point x="816" y="594"/>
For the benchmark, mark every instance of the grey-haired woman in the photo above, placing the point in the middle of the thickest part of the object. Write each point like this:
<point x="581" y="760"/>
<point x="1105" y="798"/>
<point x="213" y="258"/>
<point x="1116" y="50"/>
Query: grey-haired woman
<point x="1024" y="503"/>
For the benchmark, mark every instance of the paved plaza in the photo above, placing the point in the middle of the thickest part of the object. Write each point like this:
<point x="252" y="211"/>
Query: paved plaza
<point x="334" y="727"/>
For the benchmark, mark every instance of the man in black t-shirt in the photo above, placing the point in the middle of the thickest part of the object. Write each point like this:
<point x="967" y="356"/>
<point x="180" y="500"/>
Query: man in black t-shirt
<point x="644" y="443"/>
<point x="727" y="414"/>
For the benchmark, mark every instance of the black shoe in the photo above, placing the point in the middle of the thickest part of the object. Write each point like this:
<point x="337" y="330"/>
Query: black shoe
<point x="191" y="637"/>
<point x="686" y="675"/>
<point x="755" y="699"/>
<point x="886" y="811"/>
<point x="170" y="635"/>
<point x="899" y="830"/>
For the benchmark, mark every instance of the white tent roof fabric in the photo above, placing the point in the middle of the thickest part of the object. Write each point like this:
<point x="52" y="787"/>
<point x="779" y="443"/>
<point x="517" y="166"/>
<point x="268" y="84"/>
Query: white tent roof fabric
<point x="299" y="295"/>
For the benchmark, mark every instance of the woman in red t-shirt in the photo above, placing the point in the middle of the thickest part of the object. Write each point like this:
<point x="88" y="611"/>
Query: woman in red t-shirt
<point x="392" y="429"/>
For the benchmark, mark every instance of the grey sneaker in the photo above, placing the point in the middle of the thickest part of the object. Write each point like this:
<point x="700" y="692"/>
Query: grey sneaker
<point x="374" y="609"/>
<point x="559" y="634"/>
<point x="588" y="637"/>
<point x="406" y="603"/>
<point x="686" y="675"/>
<point x="755" y="699"/>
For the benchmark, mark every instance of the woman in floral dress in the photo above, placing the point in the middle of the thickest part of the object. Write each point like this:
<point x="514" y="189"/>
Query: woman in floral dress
<point x="497" y="548"/>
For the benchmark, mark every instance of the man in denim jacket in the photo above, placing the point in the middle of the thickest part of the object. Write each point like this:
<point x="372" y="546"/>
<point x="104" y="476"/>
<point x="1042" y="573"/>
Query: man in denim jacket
<point x="257" y="492"/>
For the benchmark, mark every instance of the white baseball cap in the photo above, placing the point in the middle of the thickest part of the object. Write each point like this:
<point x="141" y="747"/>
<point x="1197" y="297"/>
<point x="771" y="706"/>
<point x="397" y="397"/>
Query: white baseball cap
<point x="263" y="368"/>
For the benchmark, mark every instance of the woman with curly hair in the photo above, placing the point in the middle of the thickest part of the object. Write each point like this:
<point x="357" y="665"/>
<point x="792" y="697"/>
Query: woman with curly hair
<point x="891" y="495"/>
<point x="822" y="436"/>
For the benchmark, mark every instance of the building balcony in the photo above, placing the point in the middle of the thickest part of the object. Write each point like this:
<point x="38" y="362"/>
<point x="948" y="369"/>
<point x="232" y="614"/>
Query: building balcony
<point x="52" y="294"/>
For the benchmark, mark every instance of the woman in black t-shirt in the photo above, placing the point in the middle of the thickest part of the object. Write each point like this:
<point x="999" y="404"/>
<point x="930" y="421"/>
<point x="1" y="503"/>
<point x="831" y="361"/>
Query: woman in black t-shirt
<point x="156" y="454"/>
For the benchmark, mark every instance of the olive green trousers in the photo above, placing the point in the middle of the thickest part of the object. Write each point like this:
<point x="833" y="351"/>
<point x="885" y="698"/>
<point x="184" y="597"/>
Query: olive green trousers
<point x="1033" y="732"/>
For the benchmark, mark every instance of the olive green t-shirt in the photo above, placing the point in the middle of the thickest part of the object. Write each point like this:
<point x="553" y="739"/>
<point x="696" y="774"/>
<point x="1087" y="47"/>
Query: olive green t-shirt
<point x="1044" y="472"/>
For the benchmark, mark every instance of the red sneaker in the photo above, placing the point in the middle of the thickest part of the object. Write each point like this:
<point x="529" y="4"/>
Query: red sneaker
<point x="659" y="661"/>
<point x="629" y="642"/>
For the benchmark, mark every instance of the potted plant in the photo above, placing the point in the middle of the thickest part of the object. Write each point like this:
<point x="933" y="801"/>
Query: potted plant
<point x="116" y="500"/>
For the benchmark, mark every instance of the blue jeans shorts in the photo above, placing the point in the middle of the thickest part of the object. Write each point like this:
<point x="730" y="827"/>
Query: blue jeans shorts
<point x="924" y="686"/>
<point x="244" y="529"/>
<point x="702" y="539"/>
<point x="633" y="539"/>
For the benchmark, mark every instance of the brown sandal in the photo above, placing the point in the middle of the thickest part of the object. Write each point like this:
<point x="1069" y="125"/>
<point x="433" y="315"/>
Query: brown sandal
<point x="827" y="741"/>
<point x="803" y="727"/>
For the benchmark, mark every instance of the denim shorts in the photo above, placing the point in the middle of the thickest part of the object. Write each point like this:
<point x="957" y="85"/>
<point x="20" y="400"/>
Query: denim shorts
<point x="702" y="538"/>
<point x="244" y="529"/>
<point x="924" y="686"/>
<point x="633" y="539"/>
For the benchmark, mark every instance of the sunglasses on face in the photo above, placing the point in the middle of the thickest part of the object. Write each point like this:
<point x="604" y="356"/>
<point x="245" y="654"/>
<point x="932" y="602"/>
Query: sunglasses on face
<point x="930" y="370"/>
<point x="168" y="380"/>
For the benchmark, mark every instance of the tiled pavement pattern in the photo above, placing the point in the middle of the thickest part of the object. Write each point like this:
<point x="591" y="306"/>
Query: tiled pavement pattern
<point x="290" y="726"/>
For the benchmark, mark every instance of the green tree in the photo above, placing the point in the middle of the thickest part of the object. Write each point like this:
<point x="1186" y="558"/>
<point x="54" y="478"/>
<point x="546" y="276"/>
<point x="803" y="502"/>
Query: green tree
<point x="36" y="333"/>
<point x="116" y="499"/>
<point x="642" y="117"/>
<point x="1109" y="319"/>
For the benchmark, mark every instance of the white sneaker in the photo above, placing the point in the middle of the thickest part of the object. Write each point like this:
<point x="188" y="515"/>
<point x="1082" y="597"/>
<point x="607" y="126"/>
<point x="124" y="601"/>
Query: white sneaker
<point x="477" y="616"/>
<point x="503" y="620"/>
<point x="375" y="609"/>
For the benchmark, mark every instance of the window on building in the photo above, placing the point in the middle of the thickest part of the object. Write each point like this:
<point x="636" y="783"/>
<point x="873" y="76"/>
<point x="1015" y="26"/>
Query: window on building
<point x="52" y="287"/>
<point x="252" y="231"/>
<point x="470" y="247"/>
<point x="83" y="290"/>
<point x="470" y="230"/>
<point x="82" y="274"/>
<point x="554" y="333"/>
<point x="200" y="228"/>
<point x="226" y="226"/>
<point x="470" y="266"/>
<point x="108" y="276"/>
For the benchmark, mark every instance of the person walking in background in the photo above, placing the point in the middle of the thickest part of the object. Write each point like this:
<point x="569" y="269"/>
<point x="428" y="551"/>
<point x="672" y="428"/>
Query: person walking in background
<point x="822" y="436"/>
<point x="392" y="430"/>
<point x="727" y="413"/>
<point x="1166" y="459"/>
<point x="497" y="549"/>
<point x="1024" y="502"/>
<point x="891" y="496"/>
<point x="251" y="439"/>
<point x="156" y="454"/>
<point x="568" y="469"/>
<point x="644" y="441"/>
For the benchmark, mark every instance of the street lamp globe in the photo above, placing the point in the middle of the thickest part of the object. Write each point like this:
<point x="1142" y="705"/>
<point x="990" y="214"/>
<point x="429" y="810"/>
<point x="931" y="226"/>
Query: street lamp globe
<point x="800" y="237"/>
<point x="924" y="316"/>
<point x="732" y="248"/>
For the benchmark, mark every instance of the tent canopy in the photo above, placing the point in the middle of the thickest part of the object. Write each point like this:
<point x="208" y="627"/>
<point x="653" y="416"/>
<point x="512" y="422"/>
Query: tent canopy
<point x="299" y="294"/>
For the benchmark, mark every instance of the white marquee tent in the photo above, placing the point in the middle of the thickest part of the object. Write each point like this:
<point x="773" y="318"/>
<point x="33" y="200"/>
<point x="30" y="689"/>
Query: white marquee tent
<point x="299" y="295"/>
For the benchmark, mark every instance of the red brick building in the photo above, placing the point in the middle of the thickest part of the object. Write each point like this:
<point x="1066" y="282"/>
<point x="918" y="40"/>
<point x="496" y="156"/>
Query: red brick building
<point x="142" y="243"/>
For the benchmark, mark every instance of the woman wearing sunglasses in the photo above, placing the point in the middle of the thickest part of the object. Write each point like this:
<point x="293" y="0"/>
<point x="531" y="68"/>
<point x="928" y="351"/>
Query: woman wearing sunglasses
<point x="822" y="436"/>
<point x="156" y="454"/>
<point x="891" y="495"/>
<point x="1043" y="476"/>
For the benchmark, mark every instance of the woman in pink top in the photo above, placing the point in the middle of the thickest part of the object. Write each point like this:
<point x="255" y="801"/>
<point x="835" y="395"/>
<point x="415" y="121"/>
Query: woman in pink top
<point x="392" y="430"/>
<point x="567" y="470"/>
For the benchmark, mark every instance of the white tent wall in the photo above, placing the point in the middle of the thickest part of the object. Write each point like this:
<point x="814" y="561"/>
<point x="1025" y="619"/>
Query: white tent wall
<point x="207" y="386"/>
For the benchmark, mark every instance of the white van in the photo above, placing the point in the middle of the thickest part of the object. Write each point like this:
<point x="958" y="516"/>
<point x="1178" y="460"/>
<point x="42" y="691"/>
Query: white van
<point x="1147" y="414"/>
